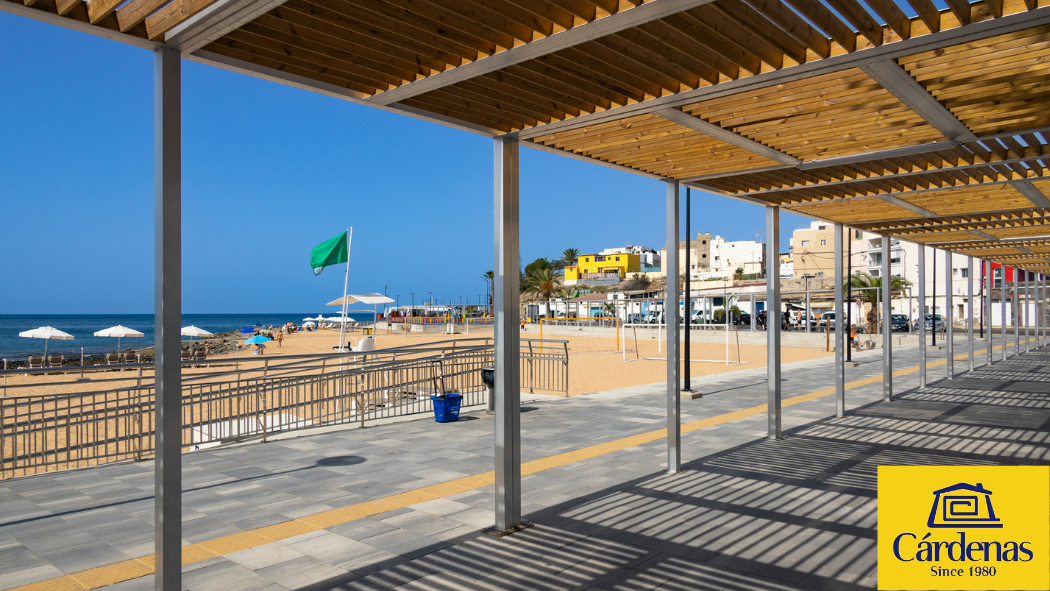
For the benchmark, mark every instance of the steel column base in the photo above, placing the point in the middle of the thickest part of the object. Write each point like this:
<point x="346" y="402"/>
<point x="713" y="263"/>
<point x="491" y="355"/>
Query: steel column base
<point x="499" y="533"/>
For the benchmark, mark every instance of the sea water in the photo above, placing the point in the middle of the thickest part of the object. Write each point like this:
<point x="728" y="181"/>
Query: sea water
<point x="83" y="327"/>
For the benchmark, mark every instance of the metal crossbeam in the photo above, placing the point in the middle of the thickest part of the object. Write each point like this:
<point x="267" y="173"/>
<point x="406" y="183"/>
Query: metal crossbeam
<point x="625" y="19"/>
<point x="1033" y="194"/>
<point x="898" y="82"/>
<point x="215" y="21"/>
<point x="727" y="136"/>
<point x="908" y="206"/>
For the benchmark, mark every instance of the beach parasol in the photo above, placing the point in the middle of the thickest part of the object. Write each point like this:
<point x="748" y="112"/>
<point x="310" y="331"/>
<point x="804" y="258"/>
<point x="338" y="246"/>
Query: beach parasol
<point x="248" y="330"/>
<point x="120" y="332"/>
<point x="193" y="331"/>
<point x="47" y="333"/>
<point x="256" y="340"/>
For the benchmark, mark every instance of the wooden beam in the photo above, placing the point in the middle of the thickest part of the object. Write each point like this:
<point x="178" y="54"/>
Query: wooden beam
<point x="136" y="11"/>
<point x="852" y="11"/>
<point x="100" y="9"/>
<point x="82" y="26"/>
<point x="929" y="13"/>
<point x="625" y="19"/>
<point x="893" y="78"/>
<point x="64" y="6"/>
<point x="727" y="136"/>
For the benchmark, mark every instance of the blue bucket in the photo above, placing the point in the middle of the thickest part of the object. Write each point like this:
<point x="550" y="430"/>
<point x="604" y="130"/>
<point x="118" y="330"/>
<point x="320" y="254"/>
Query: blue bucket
<point x="446" y="408"/>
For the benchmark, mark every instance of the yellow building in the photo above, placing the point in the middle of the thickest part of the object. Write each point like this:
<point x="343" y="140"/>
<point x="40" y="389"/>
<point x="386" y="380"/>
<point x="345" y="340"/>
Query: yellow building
<point x="599" y="266"/>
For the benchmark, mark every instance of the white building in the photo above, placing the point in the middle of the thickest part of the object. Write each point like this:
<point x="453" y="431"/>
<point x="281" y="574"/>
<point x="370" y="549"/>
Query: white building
<point x="729" y="255"/>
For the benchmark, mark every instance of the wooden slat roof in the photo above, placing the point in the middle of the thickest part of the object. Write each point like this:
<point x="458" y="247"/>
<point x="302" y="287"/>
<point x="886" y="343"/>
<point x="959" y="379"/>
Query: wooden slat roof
<point x="934" y="129"/>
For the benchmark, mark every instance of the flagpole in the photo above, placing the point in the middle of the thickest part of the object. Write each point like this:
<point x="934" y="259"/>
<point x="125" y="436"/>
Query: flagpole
<point x="346" y="279"/>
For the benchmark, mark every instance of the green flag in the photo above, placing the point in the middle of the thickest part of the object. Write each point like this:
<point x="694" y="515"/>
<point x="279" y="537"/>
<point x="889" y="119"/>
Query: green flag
<point x="329" y="252"/>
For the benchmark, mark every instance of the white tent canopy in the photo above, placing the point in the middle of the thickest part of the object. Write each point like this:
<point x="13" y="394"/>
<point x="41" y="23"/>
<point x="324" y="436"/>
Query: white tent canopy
<point x="364" y="298"/>
<point x="47" y="333"/>
<point x="118" y="331"/>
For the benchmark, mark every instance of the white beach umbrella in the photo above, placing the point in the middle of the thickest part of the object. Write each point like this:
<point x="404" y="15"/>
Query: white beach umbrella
<point x="193" y="331"/>
<point x="119" y="332"/>
<point x="339" y="319"/>
<point x="47" y="333"/>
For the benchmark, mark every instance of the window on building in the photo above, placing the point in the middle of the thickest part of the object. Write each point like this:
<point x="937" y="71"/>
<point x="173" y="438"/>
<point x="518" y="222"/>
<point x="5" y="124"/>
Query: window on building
<point x="964" y="273"/>
<point x="585" y="259"/>
<point x="703" y="242"/>
<point x="823" y="242"/>
<point x="822" y="227"/>
<point x="703" y="256"/>
<point x="856" y="235"/>
<point x="895" y="260"/>
<point x="716" y="258"/>
<point x="875" y="273"/>
<point x="805" y="243"/>
<point x="599" y="259"/>
<point x="820" y="273"/>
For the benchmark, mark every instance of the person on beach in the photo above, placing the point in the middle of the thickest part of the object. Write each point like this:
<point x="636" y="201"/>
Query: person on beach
<point x="523" y="323"/>
<point x="280" y="339"/>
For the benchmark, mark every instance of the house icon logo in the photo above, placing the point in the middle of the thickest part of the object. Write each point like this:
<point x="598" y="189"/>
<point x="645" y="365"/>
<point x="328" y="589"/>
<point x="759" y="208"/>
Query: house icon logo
<point x="963" y="506"/>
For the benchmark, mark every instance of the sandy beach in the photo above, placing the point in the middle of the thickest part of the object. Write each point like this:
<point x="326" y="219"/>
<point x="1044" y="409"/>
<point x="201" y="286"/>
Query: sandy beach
<point x="594" y="363"/>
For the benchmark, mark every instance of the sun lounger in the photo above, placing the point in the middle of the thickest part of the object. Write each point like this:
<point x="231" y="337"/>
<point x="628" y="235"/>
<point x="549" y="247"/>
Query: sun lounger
<point x="55" y="360"/>
<point x="187" y="355"/>
<point x="112" y="358"/>
<point x="131" y="357"/>
<point x="200" y="355"/>
<point x="35" y="362"/>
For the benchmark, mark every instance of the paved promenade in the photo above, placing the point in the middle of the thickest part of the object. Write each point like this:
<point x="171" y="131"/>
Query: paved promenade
<point x="401" y="506"/>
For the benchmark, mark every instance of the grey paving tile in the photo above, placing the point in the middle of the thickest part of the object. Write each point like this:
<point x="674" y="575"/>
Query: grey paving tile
<point x="332" y="548"/>
<point x="305" y="571"/>
<point x="224" y="576"/>
<point x="264" y="556"/>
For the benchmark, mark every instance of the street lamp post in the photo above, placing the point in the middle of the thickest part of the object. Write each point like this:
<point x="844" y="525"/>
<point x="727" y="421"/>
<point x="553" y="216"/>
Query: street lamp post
<point x="412" y="312"/>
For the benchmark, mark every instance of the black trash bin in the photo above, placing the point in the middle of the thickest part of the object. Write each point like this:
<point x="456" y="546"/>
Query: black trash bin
<point x="488" y="375"/>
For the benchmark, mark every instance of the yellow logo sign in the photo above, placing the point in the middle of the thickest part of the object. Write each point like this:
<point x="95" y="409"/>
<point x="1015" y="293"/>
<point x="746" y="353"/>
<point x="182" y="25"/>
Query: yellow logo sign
<point x="964" y="527"/>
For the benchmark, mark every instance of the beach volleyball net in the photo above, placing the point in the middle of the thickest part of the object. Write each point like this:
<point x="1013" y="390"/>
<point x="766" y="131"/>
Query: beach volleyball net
<point x="649" y="342"/>
<point x="586" y="336"/>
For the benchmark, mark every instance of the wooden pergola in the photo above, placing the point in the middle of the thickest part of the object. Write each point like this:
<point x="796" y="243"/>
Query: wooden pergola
<point x="927" y="128"/>
<point x="932" y="129"/>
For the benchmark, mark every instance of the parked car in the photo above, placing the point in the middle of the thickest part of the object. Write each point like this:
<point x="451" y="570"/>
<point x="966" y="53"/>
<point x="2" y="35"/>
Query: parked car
<point x="934" y="322"/>
<point x="899" y="323"/>
<point x="635" y="318"/>
<point x="743" y="319"/>
<point x="827" y="319"/>
<point x="654" y="318"/>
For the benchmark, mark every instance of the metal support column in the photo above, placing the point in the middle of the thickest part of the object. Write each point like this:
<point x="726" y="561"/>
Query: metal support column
<point x="1017" y="311"/>
<point x="1027" y="312"/>
<point x="754" y="312"/>
<point x="687" y="311"/>
<point x="1002" y="324"/>
<point x="840" y="358"/>
<point x="922" y="316"/>
<point x="507" y="336"/>
<point x="808" y="309"/>
<point x="988" y="289"/>
<point x="887" y="325"/>
<point x="674" y="395"/>
<point x="970" y="312"/>
<point x="167" y="310"/>
<point x="773" y="321"/>
<point x="949" y="313"/>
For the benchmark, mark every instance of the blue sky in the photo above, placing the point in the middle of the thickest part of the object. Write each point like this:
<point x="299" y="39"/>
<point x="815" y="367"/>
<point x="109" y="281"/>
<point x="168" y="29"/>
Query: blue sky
<point x="269" y="172"/>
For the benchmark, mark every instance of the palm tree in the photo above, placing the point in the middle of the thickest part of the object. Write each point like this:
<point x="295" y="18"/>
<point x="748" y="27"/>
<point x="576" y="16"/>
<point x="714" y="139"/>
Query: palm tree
<point x="862" y="285"/>
<point x="569" y="255"/>
<point x="489" y="277"/>
<point x="543" y="282"/>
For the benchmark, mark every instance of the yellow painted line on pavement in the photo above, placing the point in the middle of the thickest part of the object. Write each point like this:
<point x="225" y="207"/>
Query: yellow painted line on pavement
<point x="139" y="567"/>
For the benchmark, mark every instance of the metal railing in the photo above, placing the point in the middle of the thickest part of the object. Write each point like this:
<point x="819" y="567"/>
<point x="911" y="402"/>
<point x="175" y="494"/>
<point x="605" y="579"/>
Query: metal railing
<point x="49" y="432"/>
